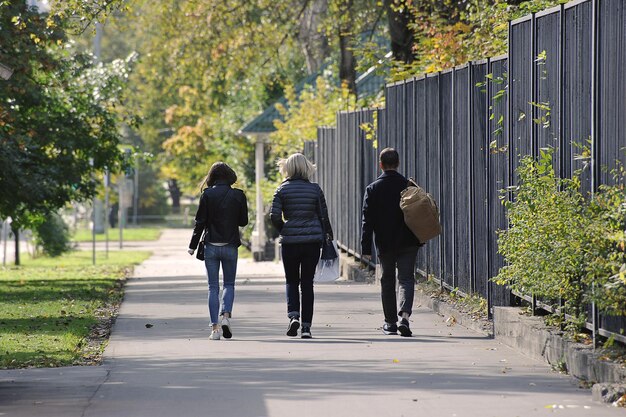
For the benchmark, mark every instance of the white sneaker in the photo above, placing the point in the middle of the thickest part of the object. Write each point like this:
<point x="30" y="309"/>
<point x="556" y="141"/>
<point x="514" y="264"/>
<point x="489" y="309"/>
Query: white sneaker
<point x="215" y="335"/>
<point x="226" y="328"/>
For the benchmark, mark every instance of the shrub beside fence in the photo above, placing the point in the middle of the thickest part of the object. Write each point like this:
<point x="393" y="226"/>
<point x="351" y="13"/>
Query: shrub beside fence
<point x="562" y="86"/>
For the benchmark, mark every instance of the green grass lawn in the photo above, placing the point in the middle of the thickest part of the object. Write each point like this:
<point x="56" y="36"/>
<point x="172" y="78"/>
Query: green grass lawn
<point x="130" y="234"/>
<point x="53" y="311"/>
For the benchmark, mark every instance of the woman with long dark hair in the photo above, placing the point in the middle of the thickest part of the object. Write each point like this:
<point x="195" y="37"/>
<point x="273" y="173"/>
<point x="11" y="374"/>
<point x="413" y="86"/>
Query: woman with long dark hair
<point x="300" y="215"/>
<point x="221" y="211"/>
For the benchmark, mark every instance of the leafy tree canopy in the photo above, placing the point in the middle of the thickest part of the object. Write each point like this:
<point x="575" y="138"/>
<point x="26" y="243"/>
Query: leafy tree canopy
<point x="58" y="115"/>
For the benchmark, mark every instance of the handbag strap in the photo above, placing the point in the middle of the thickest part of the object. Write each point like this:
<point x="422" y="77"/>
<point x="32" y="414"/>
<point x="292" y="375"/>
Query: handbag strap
<point x="319" y="203"/>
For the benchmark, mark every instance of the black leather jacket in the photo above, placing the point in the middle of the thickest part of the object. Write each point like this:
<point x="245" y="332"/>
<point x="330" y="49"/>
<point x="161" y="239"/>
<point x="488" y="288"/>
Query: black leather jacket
<point x="221" y="211"/>
<point x="298" y="212"/>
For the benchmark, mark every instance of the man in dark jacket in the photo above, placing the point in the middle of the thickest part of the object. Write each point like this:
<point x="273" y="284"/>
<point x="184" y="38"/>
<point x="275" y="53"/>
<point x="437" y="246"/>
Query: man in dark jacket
<point x="396" y="245"/>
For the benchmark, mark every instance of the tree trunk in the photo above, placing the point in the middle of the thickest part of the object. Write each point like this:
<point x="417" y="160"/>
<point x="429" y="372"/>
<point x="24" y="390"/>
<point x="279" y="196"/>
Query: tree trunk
<point x="175" y="194"/>
<point x="347" y="66"/>
<point x="347" y="61"/>
<point x="314" y="42"/>
<point x="402" y="39"/>
<point x="16" y="233"/>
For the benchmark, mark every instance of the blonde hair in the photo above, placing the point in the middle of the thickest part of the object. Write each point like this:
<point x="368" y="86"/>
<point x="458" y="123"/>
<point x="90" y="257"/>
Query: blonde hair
<point x="297" y="165"/>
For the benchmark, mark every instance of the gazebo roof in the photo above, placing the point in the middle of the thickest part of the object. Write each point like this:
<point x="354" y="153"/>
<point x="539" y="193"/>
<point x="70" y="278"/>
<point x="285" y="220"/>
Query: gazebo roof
<point x="368" y="84"/>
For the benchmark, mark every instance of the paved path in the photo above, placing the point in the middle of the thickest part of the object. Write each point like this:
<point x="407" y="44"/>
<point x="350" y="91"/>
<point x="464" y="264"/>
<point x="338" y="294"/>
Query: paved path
<point x="349" y="369"/>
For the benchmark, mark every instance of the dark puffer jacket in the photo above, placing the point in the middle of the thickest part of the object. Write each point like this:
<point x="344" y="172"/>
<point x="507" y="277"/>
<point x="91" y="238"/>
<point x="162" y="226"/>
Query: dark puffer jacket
<point x="298" y="211"/>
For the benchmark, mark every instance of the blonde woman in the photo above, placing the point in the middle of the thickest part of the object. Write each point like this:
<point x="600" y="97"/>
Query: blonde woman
<point x="300" y="215"/>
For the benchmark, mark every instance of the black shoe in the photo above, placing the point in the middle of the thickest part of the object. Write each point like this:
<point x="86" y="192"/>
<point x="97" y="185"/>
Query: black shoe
<point x="226" y="328"/>
<point x="294" y="325"/>
<point x="390" y="328"/>
<point x="306" y="333"/>
<point x="404" y="328"/>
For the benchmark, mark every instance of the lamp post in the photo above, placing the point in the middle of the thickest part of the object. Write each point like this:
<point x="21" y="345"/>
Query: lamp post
<point x="258" y="234"/>
<point x="93" y="224"/>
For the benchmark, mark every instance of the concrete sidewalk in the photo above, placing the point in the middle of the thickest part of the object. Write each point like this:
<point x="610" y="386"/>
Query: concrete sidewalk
<point x="349" y="369"/>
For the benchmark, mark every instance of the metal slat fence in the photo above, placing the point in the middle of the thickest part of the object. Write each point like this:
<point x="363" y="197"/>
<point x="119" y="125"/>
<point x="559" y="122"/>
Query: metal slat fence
<point x="347" y="164"/>
<point x="562" y="86"/>
<point x="497" y="155"/>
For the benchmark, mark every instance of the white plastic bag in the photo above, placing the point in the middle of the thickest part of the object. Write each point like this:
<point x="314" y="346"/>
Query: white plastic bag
<point x="327" y="269"/>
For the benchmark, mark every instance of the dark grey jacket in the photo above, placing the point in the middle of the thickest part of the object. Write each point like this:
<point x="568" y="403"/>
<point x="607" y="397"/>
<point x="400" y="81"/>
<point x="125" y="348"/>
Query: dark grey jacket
<point x="298" y="212"/>
<point x="383" y="218"/>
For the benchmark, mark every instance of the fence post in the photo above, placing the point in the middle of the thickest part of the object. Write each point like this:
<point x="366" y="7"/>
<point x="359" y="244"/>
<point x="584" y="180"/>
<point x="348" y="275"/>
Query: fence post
<point x="534" y="85"/>
<point x="561" y="90"/>
<point x="594" y="134"/>
<point x="594" y="95"/>
<point x="470" y="176"/>
<point x="439" y="154"/>
<point x="452" y="201"/>
<point x="488" y="105"/>
<point x="594" y="320"/>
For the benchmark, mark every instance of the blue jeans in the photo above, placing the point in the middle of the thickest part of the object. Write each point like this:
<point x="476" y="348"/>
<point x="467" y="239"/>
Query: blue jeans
<point x="227" y="257"/>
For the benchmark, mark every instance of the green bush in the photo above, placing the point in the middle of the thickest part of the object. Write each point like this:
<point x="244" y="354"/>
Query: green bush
<point x="542" y="246"/>
<point x="561" y="246"/>
<point x="605" y="263"/>
<point x="52" y="235"/>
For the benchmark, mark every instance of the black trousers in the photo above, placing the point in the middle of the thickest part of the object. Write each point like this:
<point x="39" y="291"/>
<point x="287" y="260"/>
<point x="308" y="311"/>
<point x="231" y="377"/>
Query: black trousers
<point x="300" y="261"/>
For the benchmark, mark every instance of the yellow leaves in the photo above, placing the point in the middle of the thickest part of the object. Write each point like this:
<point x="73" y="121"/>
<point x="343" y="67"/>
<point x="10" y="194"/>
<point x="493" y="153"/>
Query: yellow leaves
<point x="442" y="45"/>
<point x="18" y="22"/>
<point x="290" y="93"/>
<point x="187" y="140"/>
<point x="218" y="52"/>
<point x="432" y="68"/>
<point x="169" y="171"/>
<point x="461" y="27"/>
<point x="170" y="114"/>
<point x="282" y="110"/>
<point x="50" y="23"/>
<point x="187" y="92"/>
<point x="312" y="108"/>
<point x="501" y="27"/>
<point x="35" y="38"/>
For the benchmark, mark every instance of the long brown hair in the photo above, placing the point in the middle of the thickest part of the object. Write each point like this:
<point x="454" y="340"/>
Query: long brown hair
<point x="220" y="171"/>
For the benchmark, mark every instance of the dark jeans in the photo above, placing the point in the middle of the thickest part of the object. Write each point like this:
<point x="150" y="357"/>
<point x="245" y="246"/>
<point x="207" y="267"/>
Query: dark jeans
<point x="404" y="260"/>
<point x="300" y="261"/>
